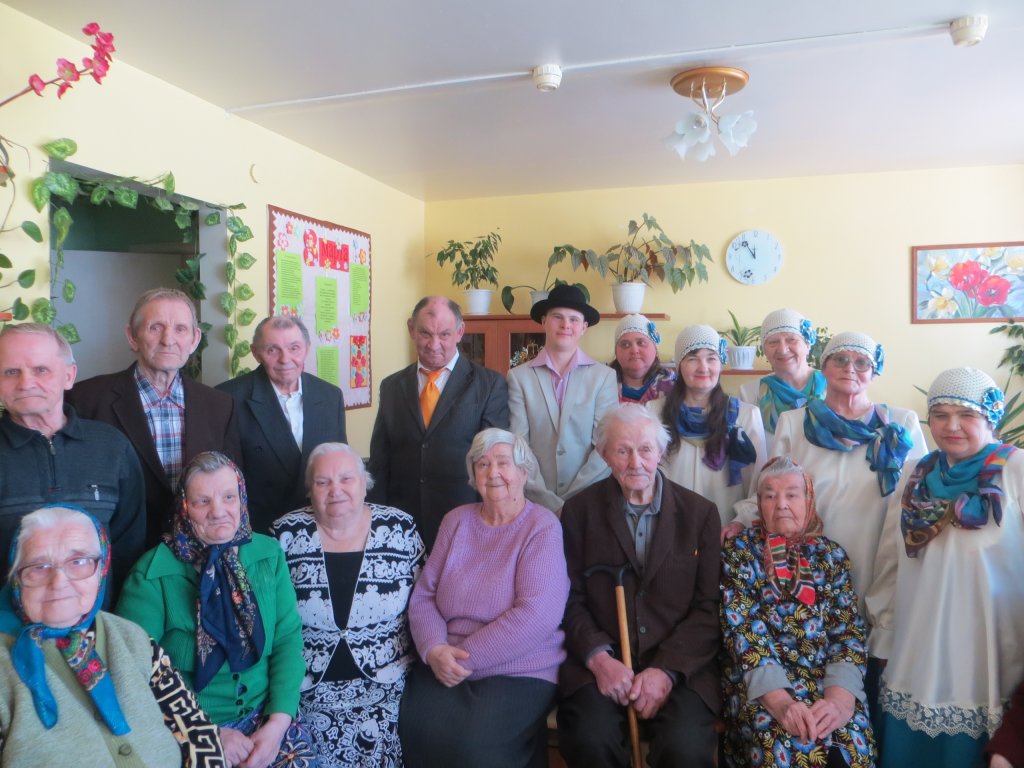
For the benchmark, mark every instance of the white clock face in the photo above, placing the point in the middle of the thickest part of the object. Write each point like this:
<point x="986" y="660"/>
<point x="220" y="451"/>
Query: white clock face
<point x="754" y="257"/>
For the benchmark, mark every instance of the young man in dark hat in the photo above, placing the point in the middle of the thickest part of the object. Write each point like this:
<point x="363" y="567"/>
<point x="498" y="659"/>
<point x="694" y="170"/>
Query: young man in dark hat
<point x="556" y="400"/>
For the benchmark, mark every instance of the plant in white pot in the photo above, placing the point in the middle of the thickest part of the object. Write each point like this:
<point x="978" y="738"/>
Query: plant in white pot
<point x="508" y="298"/>
<point x="648" y="253"/>
<point x="473" y="268"/>
<point x="742" y="344"/>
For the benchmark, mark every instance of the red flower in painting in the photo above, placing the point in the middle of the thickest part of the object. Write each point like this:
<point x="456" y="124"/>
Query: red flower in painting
<point x="37" y="84"/>
<point x="91" y="28"/>
<point x="991" y="291"/>
<point x="966" y="275"/>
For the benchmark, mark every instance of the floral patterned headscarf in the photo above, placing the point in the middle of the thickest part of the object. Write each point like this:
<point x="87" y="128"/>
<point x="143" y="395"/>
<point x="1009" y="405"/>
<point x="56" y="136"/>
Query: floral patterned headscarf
<point x="228" y="622"/>
<point x="785" y="562"/>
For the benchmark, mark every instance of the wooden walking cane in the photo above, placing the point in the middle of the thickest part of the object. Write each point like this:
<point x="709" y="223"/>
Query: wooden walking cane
<point x="627" y="657"/>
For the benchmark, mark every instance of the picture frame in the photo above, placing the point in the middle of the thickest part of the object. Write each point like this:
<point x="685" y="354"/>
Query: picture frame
<point x="967" y="283"/>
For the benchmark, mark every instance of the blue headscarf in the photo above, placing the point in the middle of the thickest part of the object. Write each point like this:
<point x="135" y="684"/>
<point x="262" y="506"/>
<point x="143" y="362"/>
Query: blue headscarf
<point x="737" y="446"/>
<point x="228" y="622"/>
<point x="888" y="443"/>
<point x="77" y="644"/>
<point x="775" y="397"/>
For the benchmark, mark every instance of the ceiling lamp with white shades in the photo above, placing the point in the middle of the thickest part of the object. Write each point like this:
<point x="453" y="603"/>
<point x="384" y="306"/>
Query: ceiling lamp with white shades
<point x="707" y="87"/>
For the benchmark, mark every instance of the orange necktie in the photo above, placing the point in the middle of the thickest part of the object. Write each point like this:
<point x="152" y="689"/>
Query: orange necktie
<point x="430" y="394"/>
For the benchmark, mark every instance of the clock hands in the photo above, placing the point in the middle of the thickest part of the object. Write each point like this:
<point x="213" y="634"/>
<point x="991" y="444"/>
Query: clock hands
<point x="746" y="245"/>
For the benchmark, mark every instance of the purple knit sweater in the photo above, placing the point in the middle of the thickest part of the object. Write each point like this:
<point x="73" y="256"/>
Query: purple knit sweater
<point x="496" y="592"/>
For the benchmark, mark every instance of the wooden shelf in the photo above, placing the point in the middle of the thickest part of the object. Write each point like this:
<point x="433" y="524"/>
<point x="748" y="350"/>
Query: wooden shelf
<point x="744" y="372"/>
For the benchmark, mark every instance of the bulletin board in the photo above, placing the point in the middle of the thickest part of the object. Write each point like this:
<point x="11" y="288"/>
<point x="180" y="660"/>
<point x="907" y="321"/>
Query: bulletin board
<point x="320" y="272"/>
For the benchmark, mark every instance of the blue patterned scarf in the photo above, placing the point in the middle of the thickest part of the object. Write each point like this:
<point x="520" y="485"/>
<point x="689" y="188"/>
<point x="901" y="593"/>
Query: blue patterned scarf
<point x="228" y="622"/>
<point x="737" y="446"/>
<point x="888" y="443"/>
<point x="77" y="644"/>
<point x="962" y="495"/>
<point x="775" y="397"/>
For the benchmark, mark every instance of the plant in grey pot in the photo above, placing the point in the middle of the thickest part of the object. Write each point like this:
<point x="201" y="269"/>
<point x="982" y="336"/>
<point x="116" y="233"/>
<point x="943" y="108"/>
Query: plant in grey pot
<point x="508" y="298"/>
<point x="473" y="269"/>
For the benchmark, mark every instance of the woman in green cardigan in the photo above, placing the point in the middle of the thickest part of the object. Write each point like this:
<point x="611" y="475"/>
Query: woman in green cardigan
<point x="219" y="599"/>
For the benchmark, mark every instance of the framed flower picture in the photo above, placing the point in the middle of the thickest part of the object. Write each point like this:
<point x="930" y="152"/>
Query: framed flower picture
<point x="973" y="283"/>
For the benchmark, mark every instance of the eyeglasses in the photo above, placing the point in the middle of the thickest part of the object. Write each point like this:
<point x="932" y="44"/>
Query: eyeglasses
<point x="76" y="569"/>
<point x="860" y="364"/>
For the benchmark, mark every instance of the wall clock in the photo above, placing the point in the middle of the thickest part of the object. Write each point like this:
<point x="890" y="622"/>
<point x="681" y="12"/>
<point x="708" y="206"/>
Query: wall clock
<point x="754" y="256"/>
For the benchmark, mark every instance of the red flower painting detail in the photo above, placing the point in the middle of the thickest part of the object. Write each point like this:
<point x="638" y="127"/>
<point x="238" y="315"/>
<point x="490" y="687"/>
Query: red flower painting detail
<point x="991" y="291"/>
<point x="966" y="275"/>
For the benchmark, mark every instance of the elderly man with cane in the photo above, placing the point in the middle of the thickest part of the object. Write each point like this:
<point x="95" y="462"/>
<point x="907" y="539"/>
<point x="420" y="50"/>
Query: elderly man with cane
<point x="661" y="542"/>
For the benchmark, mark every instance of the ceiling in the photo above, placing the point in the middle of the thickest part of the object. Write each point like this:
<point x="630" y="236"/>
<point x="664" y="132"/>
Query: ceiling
<point x="836" y="87"/>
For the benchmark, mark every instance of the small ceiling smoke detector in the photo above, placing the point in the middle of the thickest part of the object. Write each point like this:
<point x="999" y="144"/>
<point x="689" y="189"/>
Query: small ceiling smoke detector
<point x="547" y="77"/>
<point x="968" y="30"/>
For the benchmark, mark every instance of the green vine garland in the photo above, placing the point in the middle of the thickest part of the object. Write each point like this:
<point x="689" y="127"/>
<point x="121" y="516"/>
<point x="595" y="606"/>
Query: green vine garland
<point x="123" y="191"/>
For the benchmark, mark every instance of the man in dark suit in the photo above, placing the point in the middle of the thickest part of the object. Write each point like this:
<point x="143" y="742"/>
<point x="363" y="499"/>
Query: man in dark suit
<point x="167" y="417"/>
<point x="283" y="414"/>
<point x="427" y="418"/>
<point x="668" y="540"/>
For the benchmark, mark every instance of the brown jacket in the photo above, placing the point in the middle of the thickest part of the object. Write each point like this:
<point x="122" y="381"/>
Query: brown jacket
<point x="210" y="425"/>
<point x="672" y="609"/>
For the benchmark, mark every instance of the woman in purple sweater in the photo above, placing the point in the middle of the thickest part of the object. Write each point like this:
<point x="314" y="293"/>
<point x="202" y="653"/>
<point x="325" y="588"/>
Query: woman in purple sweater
<point x="485" y="617"/>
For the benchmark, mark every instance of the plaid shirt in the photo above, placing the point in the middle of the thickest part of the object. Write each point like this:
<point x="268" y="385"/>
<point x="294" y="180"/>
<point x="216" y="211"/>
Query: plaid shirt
<point x="166" y="418"/>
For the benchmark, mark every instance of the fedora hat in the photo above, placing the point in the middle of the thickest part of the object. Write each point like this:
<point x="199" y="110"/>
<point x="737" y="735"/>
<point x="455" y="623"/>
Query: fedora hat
<point x="569" y="297"/>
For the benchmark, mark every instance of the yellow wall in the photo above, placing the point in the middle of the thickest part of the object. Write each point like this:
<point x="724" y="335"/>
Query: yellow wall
<point x="847" y="238"/>
<point x="136" y="125"/>
<point x="846" y="242"/>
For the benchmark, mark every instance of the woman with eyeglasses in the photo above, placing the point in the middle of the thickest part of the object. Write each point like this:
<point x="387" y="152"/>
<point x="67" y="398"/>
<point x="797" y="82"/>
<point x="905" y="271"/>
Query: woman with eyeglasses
<point x="855" y="450"/>
<point x="77" y="685"/>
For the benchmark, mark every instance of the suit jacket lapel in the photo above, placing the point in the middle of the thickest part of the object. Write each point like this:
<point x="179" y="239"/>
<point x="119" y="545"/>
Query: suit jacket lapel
<point x="547" y="390"/>
<point x="458" y="379"/>
<point x="615" y="516"/>
<point x="410" y="395"/>
<point x="266" y="409"/>
<point x="661" y="547"/>
<point x="127" y="406"/>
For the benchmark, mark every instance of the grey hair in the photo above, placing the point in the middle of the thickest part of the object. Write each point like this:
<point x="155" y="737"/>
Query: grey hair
<point x="279" y="323"/>
<point x="41" y="329"/>
<point x="204" y="464"/>
<point x="157" y="294"/>
<point x="486" y="439"/>
<point x="325" y="448"/>
<point x="780" y="467"/>
<point x="426" y="301"/>
<point x="46" y="519"/>
<point x="629" y="414"/>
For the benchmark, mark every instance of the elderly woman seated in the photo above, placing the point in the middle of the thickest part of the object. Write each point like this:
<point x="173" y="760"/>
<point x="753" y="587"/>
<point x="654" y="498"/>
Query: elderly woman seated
<point x="484" y="616"/>
<point x="353" y="565"/>
<point x="218" y="597"/>
<point x="77" y="685"/>
<point x="794" y="656"/>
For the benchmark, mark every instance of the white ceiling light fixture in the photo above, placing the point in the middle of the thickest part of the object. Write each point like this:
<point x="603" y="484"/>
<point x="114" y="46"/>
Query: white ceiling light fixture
<point x="968" y="30"/>
<point x="547" y="77"/>
<point x="708" y="87"/>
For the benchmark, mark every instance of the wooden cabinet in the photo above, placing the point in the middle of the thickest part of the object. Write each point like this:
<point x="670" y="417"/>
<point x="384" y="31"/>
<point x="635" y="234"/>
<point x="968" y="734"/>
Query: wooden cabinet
<point x="500" y="342"/>
<point x="492" y="340"/>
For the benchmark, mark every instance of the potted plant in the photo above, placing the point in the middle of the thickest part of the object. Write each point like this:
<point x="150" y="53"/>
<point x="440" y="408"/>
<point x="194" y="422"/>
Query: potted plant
<point x="743" y="344"/>
<point x="538" y="294"/>
<point x="647" y="253"/>
<point x="473" y="268"/>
